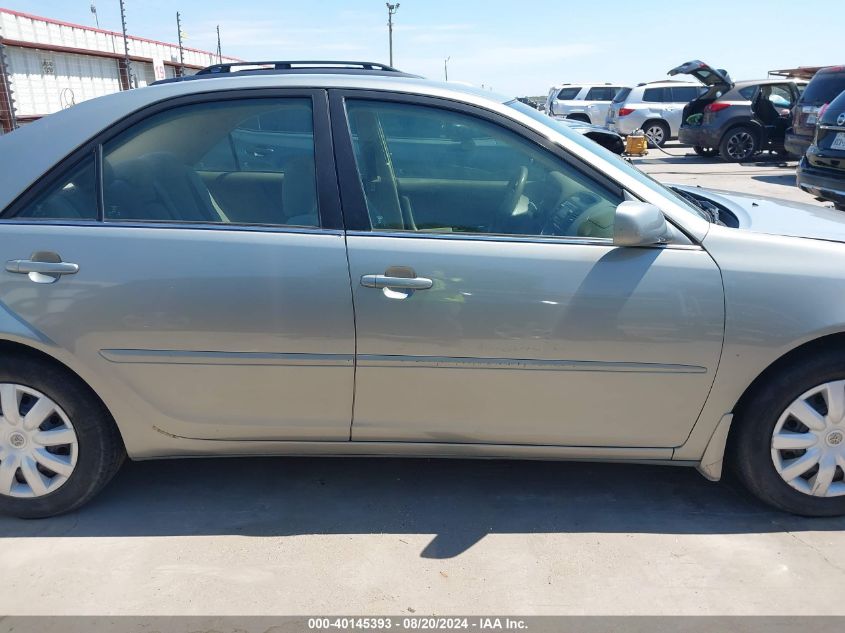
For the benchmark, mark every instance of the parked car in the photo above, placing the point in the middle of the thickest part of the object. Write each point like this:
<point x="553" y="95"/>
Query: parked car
<point x="481" y="279"/>
<point x="736" y="120"/>
<point x="582" y="102"/>
<point x="822" y="89"/>
<point x="654" y="107"/>
<point x="604" y="137"/>
<point x="821" y="171"/>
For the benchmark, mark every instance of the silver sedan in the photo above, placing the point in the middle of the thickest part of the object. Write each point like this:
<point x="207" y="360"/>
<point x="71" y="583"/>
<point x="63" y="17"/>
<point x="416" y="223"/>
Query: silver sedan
<point x="360" y="262"/>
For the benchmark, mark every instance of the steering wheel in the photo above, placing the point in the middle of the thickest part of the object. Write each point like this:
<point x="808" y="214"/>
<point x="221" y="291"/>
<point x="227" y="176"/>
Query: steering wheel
<point x="513" y="193"/>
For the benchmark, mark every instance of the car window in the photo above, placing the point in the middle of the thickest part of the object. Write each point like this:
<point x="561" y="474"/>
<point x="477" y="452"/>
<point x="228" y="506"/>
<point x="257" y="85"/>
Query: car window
<point x="824" y="87"/>
<point x="621" y="95"/>
<point x="685" y="94"/>
<point x="248" y="161"/>
<point x="600" y="93"/>
<point x="426" y="169"/>
<point x="748" y="92"/>
<point x="73" y="198"/>
<point x="656" y="95"/>
<point x="567" y="94"/>
<point x="780" y="96"/>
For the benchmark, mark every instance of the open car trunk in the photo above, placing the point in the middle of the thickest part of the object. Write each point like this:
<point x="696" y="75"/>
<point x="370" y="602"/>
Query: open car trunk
<point x="718" y="82"/>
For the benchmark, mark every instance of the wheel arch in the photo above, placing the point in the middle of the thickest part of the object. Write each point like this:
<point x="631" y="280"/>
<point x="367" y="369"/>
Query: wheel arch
<point x="719" y="445"/>
<point x="744" y="121"/>
<point x="658" y="119"/>
<point x="10" y="347"/>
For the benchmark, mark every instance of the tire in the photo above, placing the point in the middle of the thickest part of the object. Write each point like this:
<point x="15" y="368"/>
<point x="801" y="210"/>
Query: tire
<point x="751" y="454"/>
<point x="739" y="144"/>
<point x="839" y="207"/>
<point x="657" y="132"/>
<point x="706" y="152"/>
<point x="92" y="459"/>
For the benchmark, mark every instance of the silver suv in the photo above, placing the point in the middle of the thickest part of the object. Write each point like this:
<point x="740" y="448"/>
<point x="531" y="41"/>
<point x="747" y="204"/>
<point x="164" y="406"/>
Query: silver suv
<point x="224" y="264"/>
<point x="582" y="102"/>
<point x="655" y="107"/>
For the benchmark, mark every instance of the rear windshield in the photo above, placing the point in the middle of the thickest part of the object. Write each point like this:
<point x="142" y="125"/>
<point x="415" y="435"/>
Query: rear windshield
<point x="568" y="93"/>
<point x="824" y="88"/>
<point x="621" y="95"/>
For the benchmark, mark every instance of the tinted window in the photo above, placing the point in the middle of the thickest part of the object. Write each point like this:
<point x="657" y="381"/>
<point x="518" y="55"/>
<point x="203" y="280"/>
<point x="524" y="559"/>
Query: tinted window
<point x="430" y="170"/>
<point x="684" y="94"/>
<point x="823" y="88"/>
<point x="72" y="198"/>
<point x="621" y="95"/>
<point x="247" y="161"/>
<point x="656" y="95"/>
<point x="602" y="93"/>
<point x="567" y="94"/>
<point x="748" y="92"/>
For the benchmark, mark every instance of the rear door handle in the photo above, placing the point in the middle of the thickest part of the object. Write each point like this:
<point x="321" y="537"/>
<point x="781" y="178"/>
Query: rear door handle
<point x="402" y="283"/>
<point x="25" y="266"/>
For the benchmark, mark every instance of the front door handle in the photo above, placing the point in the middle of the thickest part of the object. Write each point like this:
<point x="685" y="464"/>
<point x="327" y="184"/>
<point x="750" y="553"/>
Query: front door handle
<point x="43" y="267"/>
<point x="25" y="266"/>
<point x="401" y="283"/>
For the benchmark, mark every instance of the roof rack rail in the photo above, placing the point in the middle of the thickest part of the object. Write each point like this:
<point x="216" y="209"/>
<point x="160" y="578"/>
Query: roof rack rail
<point x="230" y="69"/>
<point x="294" y="65"/>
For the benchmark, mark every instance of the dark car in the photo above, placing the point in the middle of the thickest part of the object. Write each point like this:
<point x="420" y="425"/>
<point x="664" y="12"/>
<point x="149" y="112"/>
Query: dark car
<point x="821" y="171"/>
<point x="604" y="137"/>
<point x="822" y="89"/>
<point x="736" y="120"/>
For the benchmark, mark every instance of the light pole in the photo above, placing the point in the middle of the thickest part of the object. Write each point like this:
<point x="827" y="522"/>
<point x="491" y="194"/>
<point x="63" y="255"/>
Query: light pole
<point x="181" y="48"/>
<point x="131" y="82"/>
<point x="219" y="48"/>
<point x="94" y="11"/>
<point x="391" y="11"/>
<point x="446" y="67"/>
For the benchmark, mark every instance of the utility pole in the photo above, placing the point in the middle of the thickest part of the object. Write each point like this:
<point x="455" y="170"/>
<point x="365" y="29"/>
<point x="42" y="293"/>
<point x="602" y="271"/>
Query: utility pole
<point x="130" y="78"/>
<point x="391" y="11"/>
<point x="181" y="48"/>
<point x="219" y="48"/>
<point x="446" y="67"/>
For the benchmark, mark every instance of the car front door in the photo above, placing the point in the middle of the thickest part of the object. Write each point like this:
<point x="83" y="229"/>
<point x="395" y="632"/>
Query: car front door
<point x="491" y="305"/>
<point x="205" y="270"/>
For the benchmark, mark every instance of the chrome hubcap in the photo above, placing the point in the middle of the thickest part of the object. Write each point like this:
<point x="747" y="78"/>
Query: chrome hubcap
<point x="808" y="444"/>
<point x="38" y="445"/>
<point x="655" y="133"/>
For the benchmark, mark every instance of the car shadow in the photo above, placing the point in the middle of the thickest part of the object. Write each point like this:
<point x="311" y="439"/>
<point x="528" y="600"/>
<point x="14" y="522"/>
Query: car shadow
<point x="457" y="501"/>
<point x="785" y="180"/>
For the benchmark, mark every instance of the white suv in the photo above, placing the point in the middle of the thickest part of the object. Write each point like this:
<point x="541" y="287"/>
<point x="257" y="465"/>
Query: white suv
<point x="583" y="102"/>
<point x="656" y="108"/>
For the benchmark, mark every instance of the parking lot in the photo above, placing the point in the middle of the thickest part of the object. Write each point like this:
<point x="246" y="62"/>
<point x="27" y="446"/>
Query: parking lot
<point x="766" y="176"/>
<point x="316" y="536"/>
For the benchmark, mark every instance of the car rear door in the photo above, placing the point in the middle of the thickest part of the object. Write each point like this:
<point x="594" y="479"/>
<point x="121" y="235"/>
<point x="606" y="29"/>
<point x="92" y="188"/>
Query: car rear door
<point x="211" y="288"/>
<point x="510" y="319"/>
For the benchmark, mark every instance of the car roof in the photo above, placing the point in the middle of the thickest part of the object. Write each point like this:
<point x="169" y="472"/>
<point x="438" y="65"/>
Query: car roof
<point x="761" y="82"/>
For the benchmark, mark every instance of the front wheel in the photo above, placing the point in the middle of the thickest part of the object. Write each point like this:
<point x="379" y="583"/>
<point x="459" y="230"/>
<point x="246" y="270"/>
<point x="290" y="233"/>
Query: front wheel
<point x="58" y="444"/>
<point x="738" y="144"/>
<point x="788" y="442"/>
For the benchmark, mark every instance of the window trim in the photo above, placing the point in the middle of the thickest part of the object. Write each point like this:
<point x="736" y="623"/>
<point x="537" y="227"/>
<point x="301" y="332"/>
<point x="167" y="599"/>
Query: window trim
<point x="356" y="216"/>
<point x="328" y="194"/>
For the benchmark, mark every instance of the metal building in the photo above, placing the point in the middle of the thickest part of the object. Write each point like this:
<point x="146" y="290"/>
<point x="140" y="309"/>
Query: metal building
<point x="47" y="65"/>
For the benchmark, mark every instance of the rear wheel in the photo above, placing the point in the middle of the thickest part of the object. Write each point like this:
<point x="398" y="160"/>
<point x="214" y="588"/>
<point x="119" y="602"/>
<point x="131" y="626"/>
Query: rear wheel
<point x="707" y="152"/>
<point x="788" y="444"/>
<point x="839" y="207"/>
<point x="657" y="132"/>
<point x="739" y="144"/>
<point x="58" y="445"/>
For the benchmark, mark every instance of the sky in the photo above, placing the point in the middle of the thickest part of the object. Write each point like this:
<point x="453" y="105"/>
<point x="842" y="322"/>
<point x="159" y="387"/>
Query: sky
<point x="514" y="47"/>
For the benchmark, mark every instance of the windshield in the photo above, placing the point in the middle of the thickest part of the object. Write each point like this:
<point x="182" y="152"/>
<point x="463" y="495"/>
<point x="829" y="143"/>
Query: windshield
<point x="824" y="87"/>
<point x="618" y="161"/>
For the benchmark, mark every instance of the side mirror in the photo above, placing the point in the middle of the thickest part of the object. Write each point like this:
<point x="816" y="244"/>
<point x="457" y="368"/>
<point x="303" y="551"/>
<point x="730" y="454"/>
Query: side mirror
<point x="639" y="224"/>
